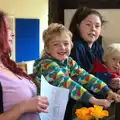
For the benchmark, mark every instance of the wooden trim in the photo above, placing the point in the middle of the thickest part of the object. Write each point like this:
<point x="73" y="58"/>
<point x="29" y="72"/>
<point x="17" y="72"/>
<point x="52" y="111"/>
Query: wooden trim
<point x="56" y="7"/>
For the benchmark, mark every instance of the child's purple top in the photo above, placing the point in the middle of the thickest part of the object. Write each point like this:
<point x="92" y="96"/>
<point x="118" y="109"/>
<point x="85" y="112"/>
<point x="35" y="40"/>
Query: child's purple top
<point x="17" y="90"/>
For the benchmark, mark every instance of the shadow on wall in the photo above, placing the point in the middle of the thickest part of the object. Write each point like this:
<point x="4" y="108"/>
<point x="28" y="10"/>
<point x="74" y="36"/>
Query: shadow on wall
<point x="107" y="41"/>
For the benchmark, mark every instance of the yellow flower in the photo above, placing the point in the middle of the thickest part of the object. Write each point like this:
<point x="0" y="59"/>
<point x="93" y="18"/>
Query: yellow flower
<point x="83" y="114"/>
<point x="98" y="112"/>
<point x="92" y="112"/>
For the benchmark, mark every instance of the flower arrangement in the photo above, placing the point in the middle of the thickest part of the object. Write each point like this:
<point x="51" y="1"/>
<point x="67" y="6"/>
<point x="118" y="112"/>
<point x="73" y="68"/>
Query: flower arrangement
<point x="95" y="112"/>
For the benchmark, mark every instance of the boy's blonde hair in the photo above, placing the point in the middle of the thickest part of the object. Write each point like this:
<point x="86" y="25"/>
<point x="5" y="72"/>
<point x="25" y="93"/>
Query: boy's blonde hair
<point x="112" y="50"/>
<point x="53" y="30"/>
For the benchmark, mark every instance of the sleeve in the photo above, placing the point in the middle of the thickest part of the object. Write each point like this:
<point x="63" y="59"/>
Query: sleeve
<point x="89" y="81"/>
<point x="52" y="72"/>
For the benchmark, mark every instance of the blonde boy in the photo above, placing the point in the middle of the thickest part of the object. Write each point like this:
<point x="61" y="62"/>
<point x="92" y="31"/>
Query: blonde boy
<point x="109" y="72"/>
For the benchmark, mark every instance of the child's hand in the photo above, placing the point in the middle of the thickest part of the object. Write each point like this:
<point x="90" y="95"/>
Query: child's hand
<point x="118" y="92"/>
<point x="113" y="96"/>
<point x="115" y="83"/>
<point x="103" y="102"/>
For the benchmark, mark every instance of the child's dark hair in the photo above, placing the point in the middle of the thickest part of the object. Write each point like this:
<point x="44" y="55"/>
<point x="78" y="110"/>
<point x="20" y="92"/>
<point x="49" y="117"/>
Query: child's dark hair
<point x="80" y="14"/>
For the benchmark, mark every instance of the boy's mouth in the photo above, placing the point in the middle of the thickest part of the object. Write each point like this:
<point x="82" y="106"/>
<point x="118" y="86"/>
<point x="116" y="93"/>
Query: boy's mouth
<point x="62" y="53"/>
<point x="115" y="68"/>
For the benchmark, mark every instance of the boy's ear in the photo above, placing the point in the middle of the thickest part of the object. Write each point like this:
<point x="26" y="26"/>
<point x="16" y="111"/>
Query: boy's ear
<point x="46" y="49"/>
<point x="104" y="59"/>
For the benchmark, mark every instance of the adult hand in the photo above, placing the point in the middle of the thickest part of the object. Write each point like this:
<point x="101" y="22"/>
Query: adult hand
<point x="115" y="83"/>
<point x="35" y="104"/>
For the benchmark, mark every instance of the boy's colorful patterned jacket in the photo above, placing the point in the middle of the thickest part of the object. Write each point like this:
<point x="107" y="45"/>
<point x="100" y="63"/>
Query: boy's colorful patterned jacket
<point x="69" y="75"/>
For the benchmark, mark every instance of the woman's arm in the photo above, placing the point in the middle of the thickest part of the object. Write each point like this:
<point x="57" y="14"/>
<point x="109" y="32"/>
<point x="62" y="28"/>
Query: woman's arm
<point x="35" y="104"/>
<point x="12" y="114"/>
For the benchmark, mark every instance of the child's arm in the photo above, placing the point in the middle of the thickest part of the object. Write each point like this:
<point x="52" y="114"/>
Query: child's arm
<point x="118" y="92"/>
<point x="87" y="80"/>
<point x="53" y="73"/>
<point x="91" y="82"/>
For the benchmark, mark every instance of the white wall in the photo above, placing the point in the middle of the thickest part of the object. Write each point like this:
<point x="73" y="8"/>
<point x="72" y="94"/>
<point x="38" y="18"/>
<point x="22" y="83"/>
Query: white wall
<point x="110" y="31"/>
<point x="28" y="9"/>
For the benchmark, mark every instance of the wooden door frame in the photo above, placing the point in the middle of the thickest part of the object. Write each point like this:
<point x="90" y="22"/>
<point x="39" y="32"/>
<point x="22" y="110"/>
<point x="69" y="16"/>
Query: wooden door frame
<point x="57" y="7"/>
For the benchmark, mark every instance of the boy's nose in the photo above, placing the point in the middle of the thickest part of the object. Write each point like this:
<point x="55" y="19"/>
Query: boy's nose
<point x="62" y="46"/>
<point x="117" y="64"/>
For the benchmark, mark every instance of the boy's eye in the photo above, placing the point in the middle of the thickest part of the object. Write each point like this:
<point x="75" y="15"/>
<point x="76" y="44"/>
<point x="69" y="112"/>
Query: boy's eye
<point x="113" y="59"/>
<point x="55" y="44"/>
<point x="66" y="44"/>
